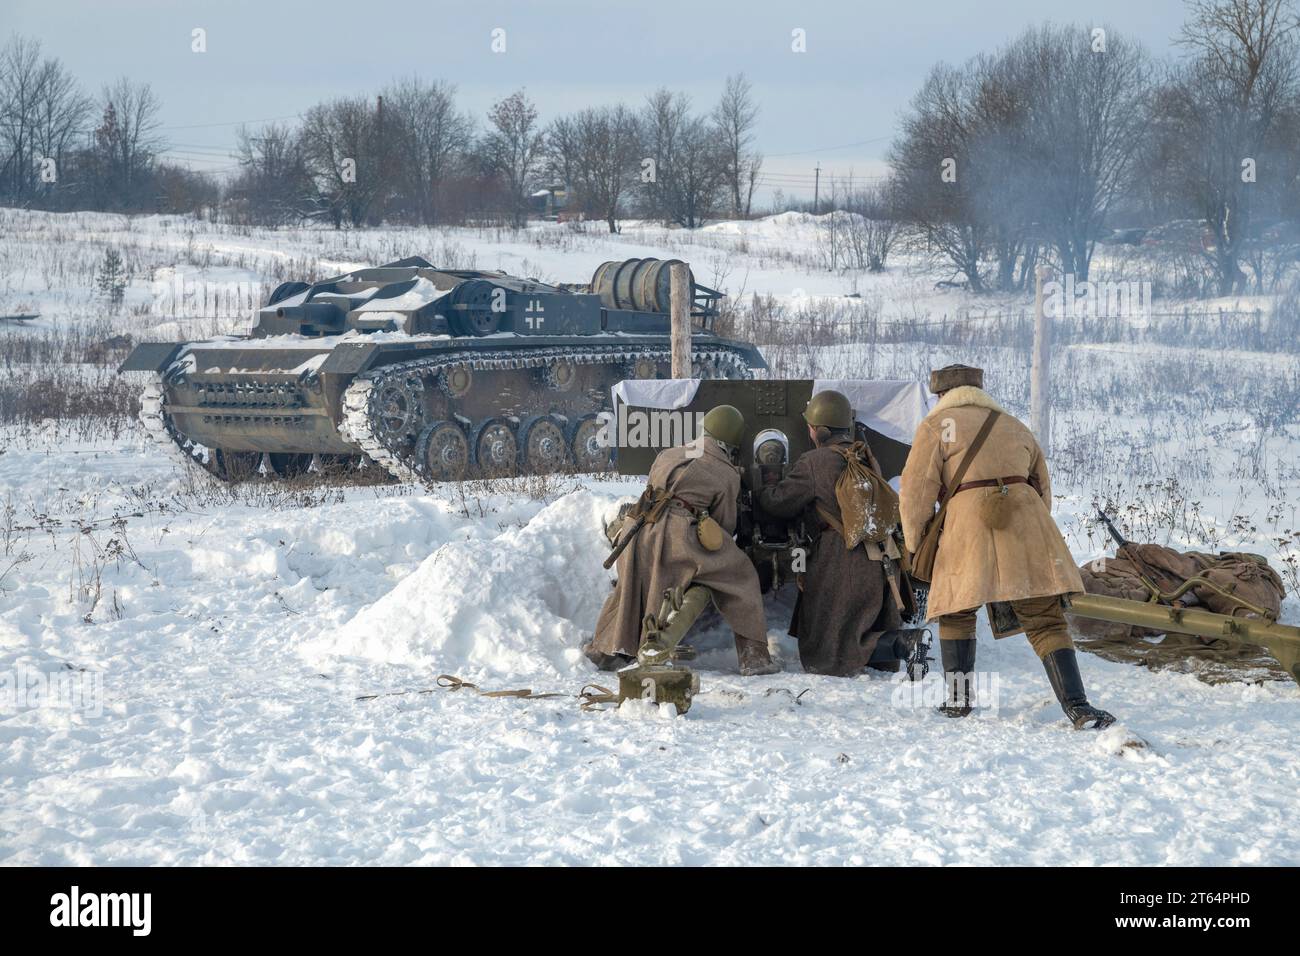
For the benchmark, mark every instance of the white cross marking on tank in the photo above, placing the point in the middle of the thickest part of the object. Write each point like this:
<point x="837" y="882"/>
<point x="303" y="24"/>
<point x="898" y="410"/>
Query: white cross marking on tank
<point x="534" y="321"/>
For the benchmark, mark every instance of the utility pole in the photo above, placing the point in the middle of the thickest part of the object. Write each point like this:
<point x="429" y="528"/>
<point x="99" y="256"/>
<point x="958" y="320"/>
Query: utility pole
<point x="817" y="183"/>
<point x="380" y="167"/>
<point x="1040" y="373"/>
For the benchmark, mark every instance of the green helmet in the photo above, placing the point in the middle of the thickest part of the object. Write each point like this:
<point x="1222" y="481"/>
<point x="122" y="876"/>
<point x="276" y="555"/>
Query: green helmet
<point x="829" y="408"/>
<point x="725" y="424"/>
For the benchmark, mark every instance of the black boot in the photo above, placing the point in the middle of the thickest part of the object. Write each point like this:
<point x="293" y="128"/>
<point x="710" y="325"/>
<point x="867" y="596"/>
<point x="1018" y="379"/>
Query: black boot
<point x="1063" y="672"/>
<point x="959" y="675"/>
<point x="908" y="645"/>
<point x="606" y="662"/>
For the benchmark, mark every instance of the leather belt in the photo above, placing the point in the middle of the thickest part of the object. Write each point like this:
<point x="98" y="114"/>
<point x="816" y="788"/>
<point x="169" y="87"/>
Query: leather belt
<point x="991" y="483"/>
<point x="686" y="506"/>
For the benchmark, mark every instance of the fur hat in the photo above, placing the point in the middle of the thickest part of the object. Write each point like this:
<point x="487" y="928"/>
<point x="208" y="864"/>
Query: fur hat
<point x="953" y="376"/>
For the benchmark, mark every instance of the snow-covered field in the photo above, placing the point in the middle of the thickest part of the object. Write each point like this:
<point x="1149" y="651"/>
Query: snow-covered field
<point x="204" y="648"/>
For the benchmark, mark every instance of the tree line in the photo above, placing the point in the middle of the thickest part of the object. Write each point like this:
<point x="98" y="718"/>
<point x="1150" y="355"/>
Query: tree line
<point x="1033" y="152"/>
<point x="409" y="154"/>
<point x="1046" y="145"/>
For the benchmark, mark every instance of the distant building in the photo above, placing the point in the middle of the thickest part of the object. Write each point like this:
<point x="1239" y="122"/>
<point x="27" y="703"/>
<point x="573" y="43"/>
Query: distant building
<point x="549" y="203"/>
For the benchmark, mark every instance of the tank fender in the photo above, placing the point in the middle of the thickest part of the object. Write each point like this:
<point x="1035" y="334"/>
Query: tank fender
<point x="753" y="357"/>
<point x="350" y="358"/>
<point x="151" y="357"/>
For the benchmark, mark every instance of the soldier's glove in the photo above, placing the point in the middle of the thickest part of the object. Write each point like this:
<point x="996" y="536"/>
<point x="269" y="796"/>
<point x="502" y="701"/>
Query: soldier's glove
<point x="771" y="474"/>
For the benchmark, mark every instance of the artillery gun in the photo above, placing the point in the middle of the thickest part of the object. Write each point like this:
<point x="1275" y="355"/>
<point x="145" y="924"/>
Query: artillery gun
<point x="434" y="374"/>
<point x="649" y="417"/>
<point x="887" y="414"/>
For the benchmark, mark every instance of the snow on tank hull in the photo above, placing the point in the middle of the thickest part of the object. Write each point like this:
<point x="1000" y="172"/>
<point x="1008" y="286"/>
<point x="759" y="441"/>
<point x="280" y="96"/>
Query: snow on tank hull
<point x="433" y="375"/>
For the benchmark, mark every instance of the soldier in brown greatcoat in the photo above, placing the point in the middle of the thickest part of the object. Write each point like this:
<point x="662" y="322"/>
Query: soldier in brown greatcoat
<point x="700" y="478"/>
<point x="999" y="542"/>
<point x="845" y="608"/>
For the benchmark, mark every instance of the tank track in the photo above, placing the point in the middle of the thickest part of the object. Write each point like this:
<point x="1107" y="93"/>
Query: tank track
<point x="158" y="426"/>
<point x="358" y="420"/>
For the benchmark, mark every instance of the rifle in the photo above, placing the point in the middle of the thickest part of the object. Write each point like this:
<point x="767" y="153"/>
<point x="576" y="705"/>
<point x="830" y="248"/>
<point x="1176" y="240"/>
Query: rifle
<point x="1152" y="578"/>
<point x="625" y="541"/>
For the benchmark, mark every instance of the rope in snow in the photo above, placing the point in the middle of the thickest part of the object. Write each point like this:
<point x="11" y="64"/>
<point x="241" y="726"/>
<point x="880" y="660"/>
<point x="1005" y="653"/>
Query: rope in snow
<point x="593" y="696"/>
<point x="451" y="682"/>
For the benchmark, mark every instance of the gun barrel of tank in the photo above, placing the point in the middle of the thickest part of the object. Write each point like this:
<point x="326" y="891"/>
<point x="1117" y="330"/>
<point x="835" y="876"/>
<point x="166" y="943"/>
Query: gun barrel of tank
<point x="312" y="313"/>
<point x="1280" y="640"/>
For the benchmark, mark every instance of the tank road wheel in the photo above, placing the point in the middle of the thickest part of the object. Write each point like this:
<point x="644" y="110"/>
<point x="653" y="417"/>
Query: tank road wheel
<point x="397" y="408"/>
<point x="542" y="445"/>
<point x="288" y="465"/>
<point x="561" y="376"/>
<point x="495" y="449"/>
<point x="644" y="368"/>
<point x="585" y="448"/>
<point x="708" y="368"/>
<point x="456" y="381"/>
<point x="442" y="452"/>
<point x="236" y="465"/>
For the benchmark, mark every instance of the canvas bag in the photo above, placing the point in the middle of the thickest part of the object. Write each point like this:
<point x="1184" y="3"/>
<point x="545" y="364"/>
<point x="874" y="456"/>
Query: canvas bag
<point x="868" y="506"/>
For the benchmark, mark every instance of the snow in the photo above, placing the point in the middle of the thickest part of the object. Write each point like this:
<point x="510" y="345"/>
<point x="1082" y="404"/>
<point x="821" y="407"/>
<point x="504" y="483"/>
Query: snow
<point x="230" y="731"/>
<point x="419" y="295"/>
<point x="221" y="637"/>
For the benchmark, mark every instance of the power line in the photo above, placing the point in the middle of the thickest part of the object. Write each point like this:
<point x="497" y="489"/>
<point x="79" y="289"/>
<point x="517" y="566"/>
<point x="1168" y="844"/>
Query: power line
<point x="828" y="149"/>
<point x="269" y="119"/>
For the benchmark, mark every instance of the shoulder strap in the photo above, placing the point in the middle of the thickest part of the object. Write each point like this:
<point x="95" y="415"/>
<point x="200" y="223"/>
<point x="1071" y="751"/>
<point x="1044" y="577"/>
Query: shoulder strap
<point x="971" y="452"/>
<point x="936" y="523"/>
<point x="848" y="453"/>
<point x="830" y="519"/>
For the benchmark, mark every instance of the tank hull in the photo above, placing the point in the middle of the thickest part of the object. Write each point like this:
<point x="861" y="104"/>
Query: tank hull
<point x="431" y="373"/>
<point x="293" y="399"/>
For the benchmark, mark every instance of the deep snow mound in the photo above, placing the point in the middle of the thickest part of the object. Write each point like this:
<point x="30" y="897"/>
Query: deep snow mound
<point x="519" y="604"/>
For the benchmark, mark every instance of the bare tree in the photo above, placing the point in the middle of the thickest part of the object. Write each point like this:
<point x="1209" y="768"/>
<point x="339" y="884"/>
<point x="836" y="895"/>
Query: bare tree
<point x="514" y="148"/>
<point x="126" y="143"/>
<point x="42" y="109"/>
<point x="1036" y="143"/>
<point x="596" y="153"/>
<point x="686" y="171"/>
<point x="870" y="226"/>
<point x="734" y="119"/>
<point x="341" y="152"/>
<point x="941" y="171"/>
<point x="430" y="137"/>
<point x="273" y="184"/>
<point x="664" y="114"/>
<point x="1083" y="132"/>
<point x="1224" y="112"/>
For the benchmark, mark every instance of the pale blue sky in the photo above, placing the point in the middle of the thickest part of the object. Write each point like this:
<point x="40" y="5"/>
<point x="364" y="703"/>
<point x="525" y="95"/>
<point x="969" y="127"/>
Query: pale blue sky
<point x="271" y="59"/>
